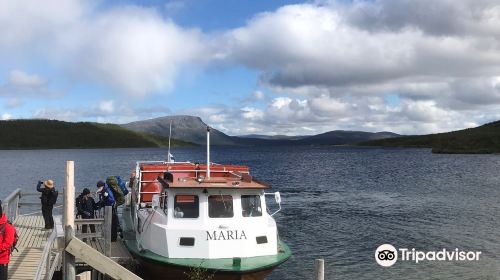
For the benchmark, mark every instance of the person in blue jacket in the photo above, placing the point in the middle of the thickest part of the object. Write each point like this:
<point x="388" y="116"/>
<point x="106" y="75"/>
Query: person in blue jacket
<point x="106" y="198"/>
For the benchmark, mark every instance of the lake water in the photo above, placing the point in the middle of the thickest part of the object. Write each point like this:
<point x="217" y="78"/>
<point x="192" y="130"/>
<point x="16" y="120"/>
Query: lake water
<point x="339" y="203"/>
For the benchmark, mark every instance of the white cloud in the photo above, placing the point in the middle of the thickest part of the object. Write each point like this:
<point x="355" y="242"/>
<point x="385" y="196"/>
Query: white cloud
<point x="106" y="106"/>
<point x="252" y="113"/>
<point x="131" y="49"/>
<point x="104" y="112"/>
<point x="6" y="116"/>
<point x="21" y="79"/>
<point x="20" y="85"/>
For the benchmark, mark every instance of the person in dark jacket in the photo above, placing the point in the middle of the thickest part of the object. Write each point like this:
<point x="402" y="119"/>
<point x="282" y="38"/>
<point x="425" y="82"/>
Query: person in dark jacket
<point x="7" y="232"/>
<point x="48" y="199"/>
<point x="86" y="206"/>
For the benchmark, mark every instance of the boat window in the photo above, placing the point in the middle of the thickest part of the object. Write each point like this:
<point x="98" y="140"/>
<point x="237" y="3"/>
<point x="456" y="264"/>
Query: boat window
<point x="220" y="206"/>
<point x="250" y="205"/>
<point x="186" y="206"/>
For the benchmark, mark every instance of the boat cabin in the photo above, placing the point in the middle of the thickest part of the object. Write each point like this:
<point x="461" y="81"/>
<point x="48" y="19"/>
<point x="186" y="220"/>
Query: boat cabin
<point x="188" y="210"/>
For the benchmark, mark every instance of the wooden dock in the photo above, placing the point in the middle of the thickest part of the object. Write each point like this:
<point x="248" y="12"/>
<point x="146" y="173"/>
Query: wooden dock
<point x="40" y="251"/>
<point x="32" y="240"/>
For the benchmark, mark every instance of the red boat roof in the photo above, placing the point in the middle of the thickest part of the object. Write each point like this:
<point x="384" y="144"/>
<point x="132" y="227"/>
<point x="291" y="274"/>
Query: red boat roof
<point x="191" y="175"/>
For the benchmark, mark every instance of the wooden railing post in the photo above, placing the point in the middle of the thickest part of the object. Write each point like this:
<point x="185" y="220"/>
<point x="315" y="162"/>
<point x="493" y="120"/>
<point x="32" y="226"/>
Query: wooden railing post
<point x="108" y="217"/>
<point x="69" y="220"/>
<point x="319" y="269"/>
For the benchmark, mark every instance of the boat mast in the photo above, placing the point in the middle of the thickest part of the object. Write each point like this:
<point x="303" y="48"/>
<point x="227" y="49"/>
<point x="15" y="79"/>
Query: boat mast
<point x="208" y="151"/>
<point x="169" y="155"/>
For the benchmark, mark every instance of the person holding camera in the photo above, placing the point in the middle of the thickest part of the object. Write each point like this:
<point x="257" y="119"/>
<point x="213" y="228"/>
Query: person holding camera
<point x="48" y="199"/>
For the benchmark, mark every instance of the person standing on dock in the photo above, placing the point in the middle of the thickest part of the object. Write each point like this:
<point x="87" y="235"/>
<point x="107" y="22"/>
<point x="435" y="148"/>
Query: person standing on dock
<point x="106" y="198"/>
<point x="7" y="232"/>
<point x="85" y="206"/>
<point x="48" y="199"/>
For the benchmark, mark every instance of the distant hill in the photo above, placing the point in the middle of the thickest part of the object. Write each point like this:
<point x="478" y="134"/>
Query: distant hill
<point x="336" y="137"/>
<point x="52" y="134"/>
<point x="343" y="137"/>
<point x="193" y="129"/>
<point x="187" y="128"/>
<point x="482" y="139"/>
<point x="272" y="137"/>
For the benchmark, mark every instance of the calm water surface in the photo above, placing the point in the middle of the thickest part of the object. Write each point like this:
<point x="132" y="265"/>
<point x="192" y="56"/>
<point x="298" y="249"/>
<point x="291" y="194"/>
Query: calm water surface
<point x="339" y="204"/>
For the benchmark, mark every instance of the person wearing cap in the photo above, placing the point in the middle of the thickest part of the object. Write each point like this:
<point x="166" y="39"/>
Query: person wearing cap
<point x="7" y="232"/>
<point x="48" y="199"/>
<point x="85" y="206"/>
<point x="106" y="198"/>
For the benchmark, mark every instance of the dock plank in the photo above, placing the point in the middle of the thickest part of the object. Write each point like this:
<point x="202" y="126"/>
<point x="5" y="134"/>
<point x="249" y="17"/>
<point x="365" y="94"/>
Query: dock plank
<point x="32" y="239"/>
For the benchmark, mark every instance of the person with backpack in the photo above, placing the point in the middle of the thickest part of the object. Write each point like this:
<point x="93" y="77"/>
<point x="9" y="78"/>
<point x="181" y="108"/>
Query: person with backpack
<point x="85" y="206"/>
<point x="7" y="239"/>
<point x="107" y="198"/>
<point x="48" y="199"/>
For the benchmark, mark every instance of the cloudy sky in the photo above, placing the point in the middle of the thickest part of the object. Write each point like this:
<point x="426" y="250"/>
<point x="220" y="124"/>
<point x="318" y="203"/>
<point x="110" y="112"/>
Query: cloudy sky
<point x="266" y="67"/>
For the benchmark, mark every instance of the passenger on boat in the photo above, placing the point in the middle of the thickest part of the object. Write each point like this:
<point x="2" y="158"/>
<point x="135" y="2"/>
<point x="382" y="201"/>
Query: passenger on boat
<point x="106" y="198"/>
<point x="48" y="199"/>
<point x="85" y="205"/>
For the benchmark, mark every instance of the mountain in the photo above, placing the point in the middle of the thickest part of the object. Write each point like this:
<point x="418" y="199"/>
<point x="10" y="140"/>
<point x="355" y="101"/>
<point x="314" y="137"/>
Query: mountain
<point x="336" y="137"/>
<point x="52" y="134"/>
<point x="272" y="137"/>
<point x="193" y="129"/>
<point x="343" y="137"/>
<point x="188" y="128"/>
<point x="482" y="139"/>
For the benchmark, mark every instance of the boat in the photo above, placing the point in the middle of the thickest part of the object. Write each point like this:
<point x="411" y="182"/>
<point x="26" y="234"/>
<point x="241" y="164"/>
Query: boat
<point x="186" y="219"/>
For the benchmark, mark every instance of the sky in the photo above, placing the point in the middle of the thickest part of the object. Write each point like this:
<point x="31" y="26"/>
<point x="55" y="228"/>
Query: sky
<point x="254" y="67"/>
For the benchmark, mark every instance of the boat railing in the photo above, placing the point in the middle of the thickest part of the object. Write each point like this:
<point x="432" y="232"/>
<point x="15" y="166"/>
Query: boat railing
<point x="277" y="198"/>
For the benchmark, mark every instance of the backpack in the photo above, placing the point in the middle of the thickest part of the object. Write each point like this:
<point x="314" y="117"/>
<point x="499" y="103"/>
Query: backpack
<point x="16" y="236"/>
<point x="79" y="205"/>
<point x="122" y="185"/>
<point x="106" y="200"/>
<point x="117" y="192"/>
<point x="53" y="197"/>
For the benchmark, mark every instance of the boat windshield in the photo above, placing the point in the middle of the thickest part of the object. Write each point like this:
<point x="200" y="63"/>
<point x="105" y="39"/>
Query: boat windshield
<point x="186" y="206"/>
<point x="220" y="206"/>
<point x="250" y="205"/>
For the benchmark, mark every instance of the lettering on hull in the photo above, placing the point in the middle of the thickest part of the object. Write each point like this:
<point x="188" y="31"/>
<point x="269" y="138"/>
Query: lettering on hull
<point x="226" y="235"/>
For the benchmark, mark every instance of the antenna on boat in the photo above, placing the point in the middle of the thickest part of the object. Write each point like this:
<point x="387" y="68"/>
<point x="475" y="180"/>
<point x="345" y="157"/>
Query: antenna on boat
<point x="170" y="157"/>
<point x="208" y="151"/>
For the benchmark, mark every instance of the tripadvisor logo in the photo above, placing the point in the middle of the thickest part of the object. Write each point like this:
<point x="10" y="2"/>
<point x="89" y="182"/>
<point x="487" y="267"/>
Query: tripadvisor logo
<point x="386" y="255"/>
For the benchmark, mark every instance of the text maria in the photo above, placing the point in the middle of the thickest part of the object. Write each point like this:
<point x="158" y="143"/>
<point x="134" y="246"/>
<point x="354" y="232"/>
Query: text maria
<point x="226" y="235"/>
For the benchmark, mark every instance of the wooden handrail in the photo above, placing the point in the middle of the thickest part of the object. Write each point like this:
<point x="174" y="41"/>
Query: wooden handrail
<point x="45" y="262"/>
<point x="15" y="196"/>
<point x="99" y="261"/>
